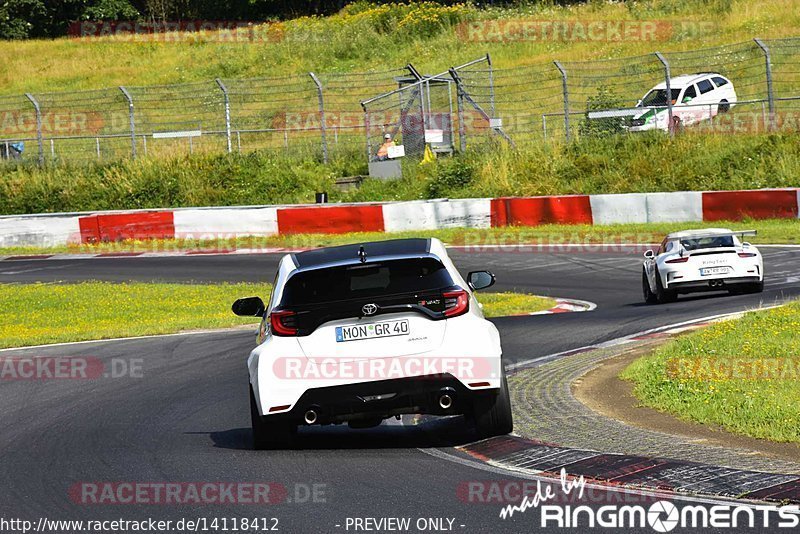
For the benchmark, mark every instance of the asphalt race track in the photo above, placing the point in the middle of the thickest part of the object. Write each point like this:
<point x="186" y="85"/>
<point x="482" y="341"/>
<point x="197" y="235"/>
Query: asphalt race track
<point x="186" y="419"/>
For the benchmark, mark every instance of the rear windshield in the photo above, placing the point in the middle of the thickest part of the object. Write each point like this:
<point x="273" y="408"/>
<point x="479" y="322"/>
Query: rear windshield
<point x="365" y="281"/>
<point x="708" y="242"/>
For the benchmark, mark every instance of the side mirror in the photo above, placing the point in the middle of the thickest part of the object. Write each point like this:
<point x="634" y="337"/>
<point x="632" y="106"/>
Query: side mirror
<point x="478" y="280"/>
<point x="249" y="307"/>
<point x="746" y="244"/>
<point x="649" y="254"/>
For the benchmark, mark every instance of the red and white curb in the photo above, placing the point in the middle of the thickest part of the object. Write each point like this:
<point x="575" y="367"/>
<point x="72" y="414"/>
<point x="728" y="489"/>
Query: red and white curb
<point x="241" y="221"/>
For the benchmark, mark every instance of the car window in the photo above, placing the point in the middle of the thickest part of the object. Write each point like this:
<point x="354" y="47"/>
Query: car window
<point x="704" y="86"/>
<point x="662" y="247"/>
<point x="719" y="81"/>
<point x="365" y="281"/>
<point x="670" y="246"/>
<point x="658" y="97"/>
<point x="689" y="94"/>
<point x="708" y="242"/>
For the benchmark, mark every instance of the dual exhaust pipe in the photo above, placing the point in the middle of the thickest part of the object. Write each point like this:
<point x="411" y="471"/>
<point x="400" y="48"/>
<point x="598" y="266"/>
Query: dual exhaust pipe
<point x="446" y="400"/>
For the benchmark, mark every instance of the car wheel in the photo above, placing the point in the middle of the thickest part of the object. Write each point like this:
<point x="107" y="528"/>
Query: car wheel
<point x="269" y="435"/>
<point x="649" y="296"/>
<point x="493" y="414"/>
<point x="723" y="106"/>
<point x="664" y="295"/>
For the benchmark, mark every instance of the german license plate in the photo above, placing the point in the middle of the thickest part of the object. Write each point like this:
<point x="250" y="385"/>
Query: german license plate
<point x="709" y="271"/>
<point x="373" y="330"/>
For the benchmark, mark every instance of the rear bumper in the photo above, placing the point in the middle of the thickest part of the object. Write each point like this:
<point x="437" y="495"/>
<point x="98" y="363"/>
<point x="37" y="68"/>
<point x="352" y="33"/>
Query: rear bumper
<point x="714" y="284"/>
<point x="383" y="399"/>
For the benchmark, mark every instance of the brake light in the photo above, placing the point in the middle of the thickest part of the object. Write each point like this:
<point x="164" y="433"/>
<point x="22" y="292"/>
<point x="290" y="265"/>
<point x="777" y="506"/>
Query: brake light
<point x="747" y="254"/>
<point x="455" y="303"/>
<point x="283" y="323"/>
<point x="679" y="260"/>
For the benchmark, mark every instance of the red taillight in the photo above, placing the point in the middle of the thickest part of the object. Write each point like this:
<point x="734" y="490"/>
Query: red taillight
<point x="455" y="303"/>
<point x="679" y="260"/>
<point x="747" y="254"/>
<point x="283" y="323"/>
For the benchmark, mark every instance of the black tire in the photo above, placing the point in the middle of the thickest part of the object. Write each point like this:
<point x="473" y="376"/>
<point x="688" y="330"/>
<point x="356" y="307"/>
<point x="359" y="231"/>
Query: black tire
<point x="723" y="106"/>
<point x="269" y="435"/>
<point x="493" y="414"/>
<point x="649" y="296"/>
<point x="664" y="295"/>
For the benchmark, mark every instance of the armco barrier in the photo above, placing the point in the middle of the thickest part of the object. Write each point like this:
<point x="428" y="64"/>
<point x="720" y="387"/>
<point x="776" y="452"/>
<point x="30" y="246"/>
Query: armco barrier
<point x="224" y="222"/>
<point x="123" y="226"/>
<point x="762" y="204"/>
<point x="533" y="211"/>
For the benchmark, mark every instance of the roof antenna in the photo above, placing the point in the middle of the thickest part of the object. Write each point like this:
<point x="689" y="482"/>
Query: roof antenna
<point x="362" y="254"/>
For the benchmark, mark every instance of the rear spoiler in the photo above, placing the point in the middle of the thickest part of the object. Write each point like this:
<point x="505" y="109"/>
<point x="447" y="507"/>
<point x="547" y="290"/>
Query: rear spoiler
<point x="740" y="233"/>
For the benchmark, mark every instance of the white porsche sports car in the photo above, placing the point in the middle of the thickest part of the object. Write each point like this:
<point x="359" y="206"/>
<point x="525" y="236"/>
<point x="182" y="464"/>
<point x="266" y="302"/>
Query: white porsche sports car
<point x="713" y="259"/>
<point x="360" y="333"/>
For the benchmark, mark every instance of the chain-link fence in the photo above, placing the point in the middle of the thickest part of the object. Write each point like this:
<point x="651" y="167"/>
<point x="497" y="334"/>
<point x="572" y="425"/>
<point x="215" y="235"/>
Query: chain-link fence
<point x="322" y="114"/>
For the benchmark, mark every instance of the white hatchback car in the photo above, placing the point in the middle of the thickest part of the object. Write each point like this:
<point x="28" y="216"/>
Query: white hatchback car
<point x="713" y="259"/>
<point x="695" y="98"/>
<point x="360" y="333"/>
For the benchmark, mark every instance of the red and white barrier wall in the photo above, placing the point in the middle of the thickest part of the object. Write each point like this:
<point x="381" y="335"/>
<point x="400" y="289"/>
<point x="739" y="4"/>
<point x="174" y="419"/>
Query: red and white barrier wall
<point x="208" y="223"/>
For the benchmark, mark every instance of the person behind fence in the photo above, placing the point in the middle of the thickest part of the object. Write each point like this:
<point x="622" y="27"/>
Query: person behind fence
<point x="383" y="151"/>
<point x="676" y="126"/>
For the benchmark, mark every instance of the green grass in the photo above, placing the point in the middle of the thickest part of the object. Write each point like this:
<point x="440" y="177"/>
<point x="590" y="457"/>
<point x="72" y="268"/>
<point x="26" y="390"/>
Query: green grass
<point x="36" y="314"/>
<point x="363" y="37"/>
<point x="777" y="231"/>
<point x="367" y="37"/>
<point x="617" y="164"/>
<point x="758" y="399"/>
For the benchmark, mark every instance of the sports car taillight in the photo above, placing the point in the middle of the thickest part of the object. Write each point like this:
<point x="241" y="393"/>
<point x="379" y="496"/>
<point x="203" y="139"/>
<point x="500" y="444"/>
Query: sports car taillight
<point x="283" y="323"/>
<point x="678" y="260"/>
<point x="747" y="254"/>
<point x="455" y="303"/>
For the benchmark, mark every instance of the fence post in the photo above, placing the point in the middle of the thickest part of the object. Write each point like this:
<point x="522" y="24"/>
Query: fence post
<point x="770" y="94"/>
<point x="39" y="138"/>
<point x="462" y="128"/>
<point x="131" y="119"/>
<point x="366" y="130"/>
<point x="227" y="114"/>
<point x="565" y="91"/>
<point x="668" y="79"/>
<point x="322" y="126"/>
<point x="491" y="84"/>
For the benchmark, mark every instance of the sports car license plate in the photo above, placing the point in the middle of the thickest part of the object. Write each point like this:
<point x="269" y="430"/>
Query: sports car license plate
<point x="370" y="331"/>
<point x="713" y="270"/>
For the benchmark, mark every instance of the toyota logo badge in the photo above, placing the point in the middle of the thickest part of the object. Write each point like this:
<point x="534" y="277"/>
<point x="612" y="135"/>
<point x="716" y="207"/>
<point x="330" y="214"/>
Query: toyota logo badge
<point x="369" y="309"/>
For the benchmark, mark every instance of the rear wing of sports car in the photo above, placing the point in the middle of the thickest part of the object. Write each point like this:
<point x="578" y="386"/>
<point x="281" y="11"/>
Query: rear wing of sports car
<point x="740" y="233"/>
